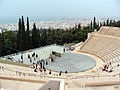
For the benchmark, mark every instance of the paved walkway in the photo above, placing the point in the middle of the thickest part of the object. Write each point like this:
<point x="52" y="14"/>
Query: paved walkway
<point x="51" y="85"/>
<point x="42" y="52"/>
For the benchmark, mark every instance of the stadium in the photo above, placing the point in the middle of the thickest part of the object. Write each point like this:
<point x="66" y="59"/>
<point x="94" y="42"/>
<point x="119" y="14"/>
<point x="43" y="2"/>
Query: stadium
<point x="92" y="65"/>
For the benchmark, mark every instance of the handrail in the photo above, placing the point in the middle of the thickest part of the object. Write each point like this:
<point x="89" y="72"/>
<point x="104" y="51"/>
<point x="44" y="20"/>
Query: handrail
<point x="31" y="74"/>
<point x="18" y="72"/>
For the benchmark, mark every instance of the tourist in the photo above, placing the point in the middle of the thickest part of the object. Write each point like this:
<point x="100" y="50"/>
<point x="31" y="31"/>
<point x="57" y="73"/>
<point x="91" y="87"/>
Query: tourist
<point x="60" y="73"/>
<point x="28" y="56"/>
<point x="33" y="65"/>
<point x="36" y="66"/>
<point x="53" y="53"/>
<point x="33" y="54"/>
<point x="118" y="65"/>
<point x="44" y="70"/>
<point x="10" y="58"/>
<point x="40" y="70"/>
<point x="43" y="62"/>
<point x="22" y="57"/>
<point x="43" y="67"/>
<point x="40" y="64"/>
<point x="37" y="62"/>
<point x="110" y="71"/>
<point x="53" y="58"/>
<point x="110" y="63"/>
<point x="30" y="60"/>
<point x="36" y="55"/>
<point x="34" y="58"/>
<point x="50" y="59"/>
<point x="46" y="63"/>
<point x="64" y="49"/>
<point x="50" y="72"/>
<point x="35" y="70"/>
<point x="65" y="72"/>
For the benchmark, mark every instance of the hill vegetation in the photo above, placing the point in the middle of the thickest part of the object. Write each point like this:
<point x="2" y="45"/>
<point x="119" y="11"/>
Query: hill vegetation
<point x="24" y="39"/>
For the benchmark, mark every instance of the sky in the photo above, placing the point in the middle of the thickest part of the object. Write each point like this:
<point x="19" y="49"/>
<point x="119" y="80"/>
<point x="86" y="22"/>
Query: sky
<point x="59" y="8"/>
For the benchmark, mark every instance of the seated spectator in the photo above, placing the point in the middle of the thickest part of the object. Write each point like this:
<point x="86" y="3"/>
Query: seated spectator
<point x="35" y="70"/>
<point x="44" y="70"/>
<point x="118" y="65"/>
<point x="110" y="70"/>
<point x="65" y="72"/>
<point x="40" y="69"/>
<point x="103" y="69"/>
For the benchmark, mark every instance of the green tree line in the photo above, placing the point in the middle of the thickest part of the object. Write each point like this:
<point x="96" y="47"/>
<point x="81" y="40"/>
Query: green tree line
<point x="25" y="39"/>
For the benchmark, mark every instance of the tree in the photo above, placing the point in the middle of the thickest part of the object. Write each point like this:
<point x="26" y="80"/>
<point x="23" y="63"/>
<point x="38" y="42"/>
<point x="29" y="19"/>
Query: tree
<point x="79" y="26"/>
<point x="24" y="47"/>
<point x="3" y="50"/>
<point x="104" y="24"/>
<point x="10" y="41"/>
<point x="35" y="37"/>
<point x="28" y="40"/>
<point x="19" y="36"/>
<point x="0" y="44"/>
<point x="91" y="25"/>
<point x="107" y="22"/>
<point x="94" y="23"/>
<point x="118" y="23"/>
<point x="100" y="24"/>
<point x="44" y="38"/>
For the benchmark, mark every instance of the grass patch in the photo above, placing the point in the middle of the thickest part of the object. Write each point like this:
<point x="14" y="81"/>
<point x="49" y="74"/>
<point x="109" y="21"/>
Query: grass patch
<point x="14" y="63"/>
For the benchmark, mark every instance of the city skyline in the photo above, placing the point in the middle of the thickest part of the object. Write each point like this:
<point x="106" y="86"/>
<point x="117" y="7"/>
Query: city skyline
<point x="52" y="10"/>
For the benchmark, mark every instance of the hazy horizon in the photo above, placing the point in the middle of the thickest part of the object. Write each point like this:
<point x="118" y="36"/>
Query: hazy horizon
<point x="11" y="10"/>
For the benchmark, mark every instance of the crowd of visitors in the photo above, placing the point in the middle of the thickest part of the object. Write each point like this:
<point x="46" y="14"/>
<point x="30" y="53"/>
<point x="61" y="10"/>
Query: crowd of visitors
<point x="39" y="65"/>
<point x="107" y="67"/>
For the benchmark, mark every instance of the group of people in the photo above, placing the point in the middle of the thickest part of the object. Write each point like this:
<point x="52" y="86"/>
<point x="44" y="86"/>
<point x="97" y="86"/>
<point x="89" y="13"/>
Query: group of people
<point x="108" y="67"/>
<point x="34" y="57"/>
<point x="52" y="58"/>
<point x="40" y="65"/>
